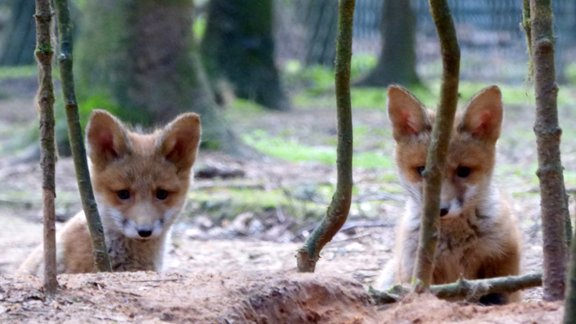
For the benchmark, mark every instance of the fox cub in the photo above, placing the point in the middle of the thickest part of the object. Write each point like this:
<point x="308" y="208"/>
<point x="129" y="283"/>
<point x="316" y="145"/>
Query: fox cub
<point x="140" y="184"/>
<point x="478" y="235"/>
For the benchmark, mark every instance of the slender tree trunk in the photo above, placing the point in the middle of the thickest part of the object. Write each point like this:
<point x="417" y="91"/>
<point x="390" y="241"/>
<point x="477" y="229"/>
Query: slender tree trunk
<point x="76" y="140"/>
<point x="554" y="202"/>
<point x="340" y="206"/>
<point x="438" y="148"/>
<point x="397" y="59"/>
<point x="45" y="100"/>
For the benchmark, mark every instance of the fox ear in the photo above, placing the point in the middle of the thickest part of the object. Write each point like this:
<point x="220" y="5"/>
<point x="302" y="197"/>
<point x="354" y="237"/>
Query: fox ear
<point x="483" y="115"/>
<point x="106" y="138"/>
<point x="180" y="139"/>
<point x="407" y="114"/>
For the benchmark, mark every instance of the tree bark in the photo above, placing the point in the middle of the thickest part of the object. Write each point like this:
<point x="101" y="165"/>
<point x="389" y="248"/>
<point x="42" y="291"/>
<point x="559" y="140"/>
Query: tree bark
<point x="553" y="198"/>
<point x="140" y="56"/>
<point x="340" y="205"/>
<point x="397" y="59"/>
<point x="239" y="47"/>
<point x="465" y="289"/>
<point x="439" y="142"/>
<point x="45" y="101"/>
<point x="101" y="258"/>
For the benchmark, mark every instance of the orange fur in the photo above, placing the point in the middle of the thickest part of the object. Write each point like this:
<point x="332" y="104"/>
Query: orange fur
<point x="478" y="234"/>
<point x="140" y="183"/>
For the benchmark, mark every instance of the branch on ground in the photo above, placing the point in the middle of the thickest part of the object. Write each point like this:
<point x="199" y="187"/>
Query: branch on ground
<point x="470" y="290"/>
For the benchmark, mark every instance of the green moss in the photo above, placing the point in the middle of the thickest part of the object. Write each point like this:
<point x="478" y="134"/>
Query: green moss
<point x="242" y="198"/>
<point x="225" y="203"/>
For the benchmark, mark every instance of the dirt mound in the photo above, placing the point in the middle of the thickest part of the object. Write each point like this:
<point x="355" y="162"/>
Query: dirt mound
<point x="198" y="297"/>
<point x="241" y="297"/>
<point x="429" y="309"/>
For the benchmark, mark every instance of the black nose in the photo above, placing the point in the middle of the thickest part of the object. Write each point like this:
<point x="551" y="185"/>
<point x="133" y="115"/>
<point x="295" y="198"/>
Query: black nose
<point x="144" y="233"/>
<point x="444" y="211"/>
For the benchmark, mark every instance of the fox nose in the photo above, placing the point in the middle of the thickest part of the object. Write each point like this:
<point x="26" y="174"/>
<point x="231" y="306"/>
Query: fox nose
<point x="444" y="211"/>
<point x="144" y="233"/>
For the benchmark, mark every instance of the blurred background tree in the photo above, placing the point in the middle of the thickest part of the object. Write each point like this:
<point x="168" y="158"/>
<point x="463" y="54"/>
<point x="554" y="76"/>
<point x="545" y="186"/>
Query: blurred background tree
<point x="238" y="47"/>
<point x="397" y="59"/>
<point x="145" y="60"/>
<point x="139" y="58"/>
<point x="321" y="23"/>
<point x="18" y="42"/>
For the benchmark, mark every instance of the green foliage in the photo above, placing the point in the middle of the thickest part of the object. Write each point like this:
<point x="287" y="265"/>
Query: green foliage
<point x="360" y="64"/>
<point x="571" y="73"/>
<point x="99" y="100"/>
<point x="314" y="87"/>
<point x="102" y="100"/>
<point x="292" y="150"/>
<point x="199" y="27"/>
<point x="14" y="72"/>
<point x="245" y="107"/>
<point x="319" y="79"/>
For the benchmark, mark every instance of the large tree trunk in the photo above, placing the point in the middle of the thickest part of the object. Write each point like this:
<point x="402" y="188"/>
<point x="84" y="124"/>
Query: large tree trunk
<point x="239" y="47"/>
<point x="140" y="56"/>
<point x="18" y="45"/>
<point x="397" y="60"/>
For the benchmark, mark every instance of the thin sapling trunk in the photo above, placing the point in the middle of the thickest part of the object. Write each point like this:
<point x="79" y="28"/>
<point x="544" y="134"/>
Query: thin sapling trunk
<point x="45" y="102"/>
<point x="340" y="205"/>
<point x="441" y="132"/>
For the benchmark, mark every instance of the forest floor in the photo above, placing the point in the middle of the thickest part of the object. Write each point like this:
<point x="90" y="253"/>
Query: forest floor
<point x="233" y="252"/>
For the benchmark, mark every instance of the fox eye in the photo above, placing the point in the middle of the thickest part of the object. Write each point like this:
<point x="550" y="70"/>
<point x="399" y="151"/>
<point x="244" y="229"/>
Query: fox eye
<point x="463" y="171"/>
<point x="420" y="170"/>
<point x="161" y="194"/>
<point x="123" y="194"/>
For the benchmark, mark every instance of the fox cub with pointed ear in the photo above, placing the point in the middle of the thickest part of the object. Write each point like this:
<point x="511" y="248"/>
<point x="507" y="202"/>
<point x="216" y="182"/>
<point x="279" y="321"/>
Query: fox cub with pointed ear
<point x="478" y="235"/>
<point x="140" y="184"/>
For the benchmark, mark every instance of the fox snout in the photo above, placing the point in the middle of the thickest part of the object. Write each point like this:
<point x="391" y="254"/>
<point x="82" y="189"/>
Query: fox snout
<point x="451" y="200"/>
<point x="452" y="208"/>
<point x="142" y="230"/>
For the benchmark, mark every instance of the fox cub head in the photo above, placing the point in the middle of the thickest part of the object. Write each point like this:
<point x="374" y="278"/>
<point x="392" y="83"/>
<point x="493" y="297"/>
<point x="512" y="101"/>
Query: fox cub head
<point x="471" y="153"/>
<point x="141" y="180"/>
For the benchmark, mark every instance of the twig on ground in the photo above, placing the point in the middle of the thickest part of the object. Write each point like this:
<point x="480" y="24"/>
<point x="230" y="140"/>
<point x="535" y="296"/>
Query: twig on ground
<point x="463" y="288"/>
